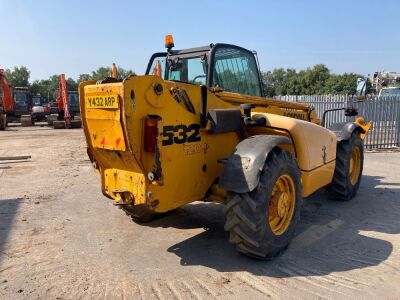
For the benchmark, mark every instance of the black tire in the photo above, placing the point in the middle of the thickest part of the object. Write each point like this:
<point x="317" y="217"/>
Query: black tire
<point x="3" y="121"/>
<point x="247" y="213"/>
<point x="341" y="187"/>
<point x="139" y="213"/>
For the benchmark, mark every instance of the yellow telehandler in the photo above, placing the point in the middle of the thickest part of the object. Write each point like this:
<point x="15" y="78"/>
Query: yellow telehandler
<point x="197" y="127"/>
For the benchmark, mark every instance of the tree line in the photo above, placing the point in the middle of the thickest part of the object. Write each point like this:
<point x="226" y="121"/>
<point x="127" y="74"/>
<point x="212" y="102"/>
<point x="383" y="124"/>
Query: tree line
<point x="317" y="80"/>
<point x="20" y="77"/>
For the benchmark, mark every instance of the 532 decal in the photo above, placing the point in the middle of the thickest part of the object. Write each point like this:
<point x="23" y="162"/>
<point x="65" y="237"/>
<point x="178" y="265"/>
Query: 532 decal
<point x="180" y="134"/>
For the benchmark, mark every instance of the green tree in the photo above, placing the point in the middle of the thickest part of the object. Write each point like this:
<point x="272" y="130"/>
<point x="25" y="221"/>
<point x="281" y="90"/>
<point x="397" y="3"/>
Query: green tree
<point x="103" y="72"/>
<point x="18" y="76"/>
<point x="125" y="73"/>
<point x="274" y="82"/>
<point x="72" y="85"/>
<point x="342" y="84"/>
<point x="84" y="77"/>
<point x="100" y="73"/>
<point x="47" y="88"/>
<point x="52" y="87"/>
<point x="312" y="81"/>
<point x="292" y="82"/>
<point x="40" y="87"/>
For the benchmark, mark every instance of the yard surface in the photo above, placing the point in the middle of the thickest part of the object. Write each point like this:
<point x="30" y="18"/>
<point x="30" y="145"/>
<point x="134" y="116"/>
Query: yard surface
<point x="61" y="239"/>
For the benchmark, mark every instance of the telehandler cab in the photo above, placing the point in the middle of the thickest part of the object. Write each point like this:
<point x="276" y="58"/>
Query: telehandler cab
<point x="197" y="127"/>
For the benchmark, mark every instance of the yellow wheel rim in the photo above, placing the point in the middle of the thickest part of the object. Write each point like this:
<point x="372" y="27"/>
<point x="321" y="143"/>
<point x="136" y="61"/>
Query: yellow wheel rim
<point x="355" y="165"/>
<point x="282" y="204"/>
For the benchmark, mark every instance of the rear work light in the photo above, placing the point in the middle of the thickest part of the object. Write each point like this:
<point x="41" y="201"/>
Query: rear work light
<point x="150" y="134"/>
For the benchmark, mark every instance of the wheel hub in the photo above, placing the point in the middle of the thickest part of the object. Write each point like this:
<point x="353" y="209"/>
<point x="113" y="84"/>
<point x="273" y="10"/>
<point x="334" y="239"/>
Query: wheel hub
<point x="283" y="204"/>
<point x="355" y="165"/>
<point x="351" y="168"/>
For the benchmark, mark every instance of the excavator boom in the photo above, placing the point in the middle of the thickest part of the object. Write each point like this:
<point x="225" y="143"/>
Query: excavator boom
<point x="62" y="99"/>
<point x="7" y="99"/>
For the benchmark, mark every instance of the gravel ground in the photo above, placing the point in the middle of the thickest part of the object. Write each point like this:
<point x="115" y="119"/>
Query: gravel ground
<point x="61" y="239"/>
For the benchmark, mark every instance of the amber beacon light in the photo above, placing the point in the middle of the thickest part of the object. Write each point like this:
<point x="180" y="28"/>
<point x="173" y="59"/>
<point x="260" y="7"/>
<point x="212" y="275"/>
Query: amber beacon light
<point x="169" y="41"/>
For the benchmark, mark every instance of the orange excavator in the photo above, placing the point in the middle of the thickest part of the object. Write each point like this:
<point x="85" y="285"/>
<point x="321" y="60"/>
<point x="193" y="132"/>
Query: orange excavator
<point x="68" y="113"/>
<point x="6" y="100"/>
<point x="15" y="103"/>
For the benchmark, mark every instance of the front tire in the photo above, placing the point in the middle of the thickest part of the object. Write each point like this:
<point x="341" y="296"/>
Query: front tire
<point x="262" y="222"/>
<point x="348" y="170"/>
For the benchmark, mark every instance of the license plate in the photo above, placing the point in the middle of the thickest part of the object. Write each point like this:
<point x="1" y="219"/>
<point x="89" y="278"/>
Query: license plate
<point x="102" y="101"/>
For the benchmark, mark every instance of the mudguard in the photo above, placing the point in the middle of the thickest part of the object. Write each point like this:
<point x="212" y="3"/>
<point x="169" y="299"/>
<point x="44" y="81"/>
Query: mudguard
<point x="243" y="168"/>
<point x="344" y="130"/>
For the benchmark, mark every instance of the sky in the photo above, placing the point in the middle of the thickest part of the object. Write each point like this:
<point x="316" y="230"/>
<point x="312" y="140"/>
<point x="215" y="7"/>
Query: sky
<point x="75" y="37"/>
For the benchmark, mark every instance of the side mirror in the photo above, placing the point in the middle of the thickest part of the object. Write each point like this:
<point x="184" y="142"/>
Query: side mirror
<point x="350" y="112"/>
<point x="361" y="88"/>
<point x="174" y="64"/>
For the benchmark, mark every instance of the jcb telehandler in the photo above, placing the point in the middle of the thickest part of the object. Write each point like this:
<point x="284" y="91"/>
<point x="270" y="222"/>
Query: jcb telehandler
<point x="197" y="127"/>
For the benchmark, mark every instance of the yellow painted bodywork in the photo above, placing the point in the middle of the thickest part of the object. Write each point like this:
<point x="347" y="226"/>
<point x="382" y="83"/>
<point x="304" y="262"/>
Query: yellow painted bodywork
<point x="188" y="171"/>
<point x="313" y="146"/>
<point x="315" y="179"/>
<point x="104" y="123"/>
<point x="118" y="182"/>
<point x="366" y="126"/>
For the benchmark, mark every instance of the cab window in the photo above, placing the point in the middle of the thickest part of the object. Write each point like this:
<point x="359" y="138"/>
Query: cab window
<point x="235" y="70"/>
<point x="190" y="69"/>
<point x="36" y="101"/>
<point x="157" y="66"/>
<point x="73" y="99"/>
<point x="20" y="98"/>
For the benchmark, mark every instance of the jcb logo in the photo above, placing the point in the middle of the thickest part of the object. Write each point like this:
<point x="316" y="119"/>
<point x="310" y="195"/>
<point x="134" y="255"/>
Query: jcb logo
<point x="181" y="134"/>
<point x="294" y="115"/>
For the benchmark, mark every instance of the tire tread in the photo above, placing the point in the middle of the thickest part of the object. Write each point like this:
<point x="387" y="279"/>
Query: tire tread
<point x="244" y="216"/>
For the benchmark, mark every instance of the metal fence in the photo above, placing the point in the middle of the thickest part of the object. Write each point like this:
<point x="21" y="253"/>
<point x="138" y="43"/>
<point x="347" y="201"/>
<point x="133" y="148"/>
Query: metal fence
<point x="384" y="112"/>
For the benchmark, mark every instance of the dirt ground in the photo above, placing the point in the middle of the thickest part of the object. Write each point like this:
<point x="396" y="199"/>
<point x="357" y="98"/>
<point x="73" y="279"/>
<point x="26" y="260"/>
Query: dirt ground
<point x="61" y="239"/>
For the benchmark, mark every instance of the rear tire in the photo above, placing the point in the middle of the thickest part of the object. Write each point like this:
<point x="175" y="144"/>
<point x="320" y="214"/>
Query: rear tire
<point x="251" y="217"/>
<point x="348" y="170"/>
<point x="139" y="213"/>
